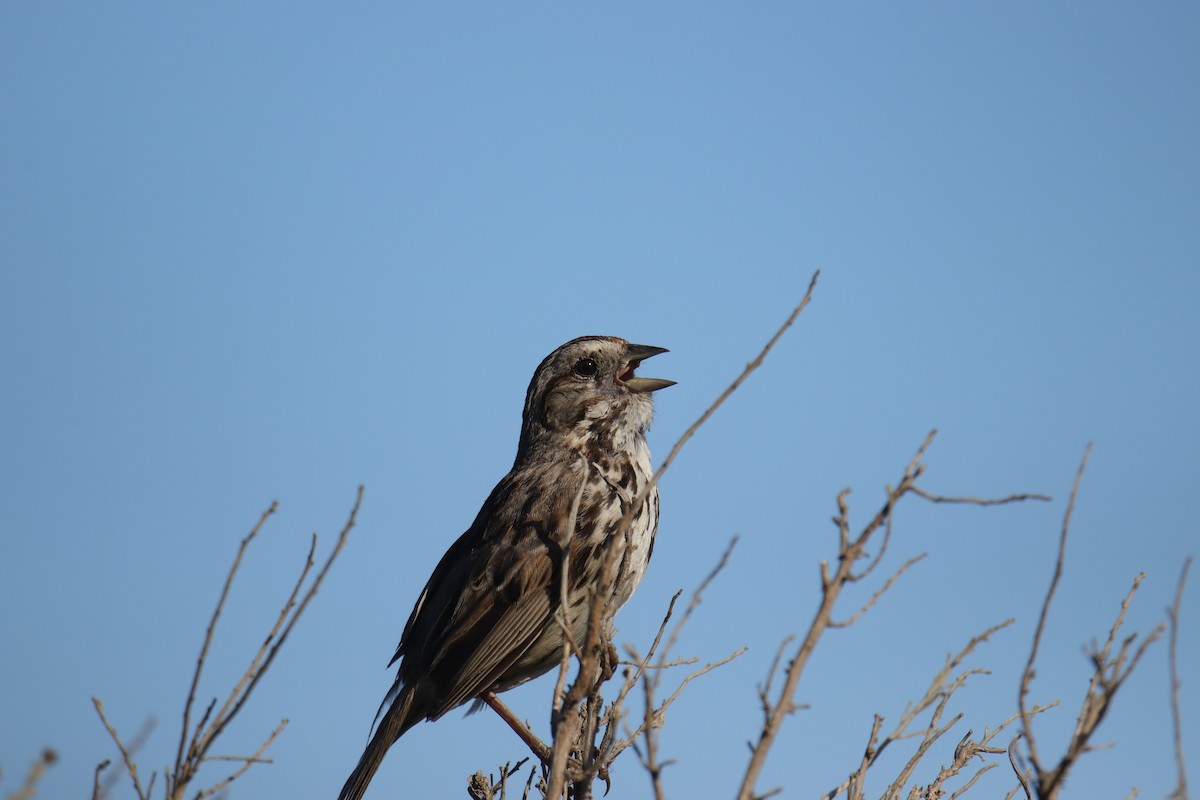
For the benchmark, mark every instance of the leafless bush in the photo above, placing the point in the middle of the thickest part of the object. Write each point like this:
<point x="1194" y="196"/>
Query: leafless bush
<point x="589" y="732"/>
<point x="584" y="729"/>
<point x="1109" y="673"/>
<point x="196" y="740"/>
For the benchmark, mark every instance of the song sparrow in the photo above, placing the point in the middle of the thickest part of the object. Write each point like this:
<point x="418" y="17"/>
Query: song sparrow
<point x="486" y="619"/>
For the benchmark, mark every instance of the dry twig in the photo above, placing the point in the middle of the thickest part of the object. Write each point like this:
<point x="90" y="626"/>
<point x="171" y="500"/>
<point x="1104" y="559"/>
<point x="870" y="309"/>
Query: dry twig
<point x="103" y="765"/>
<point x="1181" y="790"/>
<point x="196" y="741"/>
<point x="651" y="676"/>
<point x="942" y="687"/>
<point x="134" y="745"/>
<point x="1109" y="673"/>
<point x="851" y="550"/>
<point x="37" y="770"/>
<point x="126" y="757"/>
<point x="486" y="787"/>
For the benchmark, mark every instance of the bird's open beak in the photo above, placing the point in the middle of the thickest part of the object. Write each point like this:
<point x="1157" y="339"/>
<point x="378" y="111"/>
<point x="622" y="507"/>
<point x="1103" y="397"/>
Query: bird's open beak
<point x="635" y="354"/>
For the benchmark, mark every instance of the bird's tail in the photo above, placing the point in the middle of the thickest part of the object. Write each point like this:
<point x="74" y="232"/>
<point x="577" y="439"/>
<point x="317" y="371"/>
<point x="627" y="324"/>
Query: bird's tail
<point x="396" y="720"/>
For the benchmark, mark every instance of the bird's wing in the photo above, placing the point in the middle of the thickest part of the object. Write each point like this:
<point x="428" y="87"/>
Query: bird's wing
<point x="490" y="597"/>
<point x="490" y="647"/>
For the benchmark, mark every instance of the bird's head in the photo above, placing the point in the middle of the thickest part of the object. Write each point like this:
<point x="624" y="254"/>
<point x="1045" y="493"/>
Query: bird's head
<point x="587" y="389"/>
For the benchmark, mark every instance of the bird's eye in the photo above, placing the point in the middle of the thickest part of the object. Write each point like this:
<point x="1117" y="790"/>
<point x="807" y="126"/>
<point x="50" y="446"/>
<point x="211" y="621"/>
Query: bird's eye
<point x="586" y="368"/>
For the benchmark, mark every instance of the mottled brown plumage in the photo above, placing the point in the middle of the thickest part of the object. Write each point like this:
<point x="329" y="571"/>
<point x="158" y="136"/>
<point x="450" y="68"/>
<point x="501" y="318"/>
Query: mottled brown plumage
<point x="485" y="620"/>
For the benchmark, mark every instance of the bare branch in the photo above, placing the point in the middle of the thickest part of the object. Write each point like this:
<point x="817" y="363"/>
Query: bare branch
<point x="103" y="765"/>
<point x="569" y="646"/>
<point x="707" y="668"/>
<point x="652" y="716"/>
<point x="966" y="751"/>
<point x="640" y="664"/>
<point x="764" y="688"/>
<point x="130" y="765"/>
<point x="134" y="746"/>
<point x="880" y="592"/>
<point x="1027" y="675"/>
<point x="485" y="787"/>
<point x="265" y="656"/>
<point x="539" y="748"/>
<point x="1020" y="772"/>
<point x="248" y="761"/>
<point x="212" y="626"/>
<point x="342" y="538"/>
<point x="1181" y="790"/>
<point x="649" y="760"/>
<point x="980" y="501"/>
<point x="240" y="690"/>
<point x="564" y="712"/>
<point x="1109" y="672"/>
<point x="738" y="381"/>
<point x="937" y="695"/>
<point x="849" y="552"/>
<point x="196" y="740"/>
<point x="37" y="770"/>
<point x="698" y="595"/>
<point x="834" y="579"/>
<point x="855" y="784"/>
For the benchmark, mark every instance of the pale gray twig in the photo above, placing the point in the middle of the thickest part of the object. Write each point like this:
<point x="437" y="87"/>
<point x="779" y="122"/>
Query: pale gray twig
<point x="37" y="770"/>
<point x="834" y="578"/>
<point x="1181" y="786"/>
<point x="1027" y="675"/>
<point x="1109" y="672"/>
<point x="196" y="740"/>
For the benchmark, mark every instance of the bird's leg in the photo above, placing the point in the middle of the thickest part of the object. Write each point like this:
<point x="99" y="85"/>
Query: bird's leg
<point x="539" y="748"/>
<point x="608" y="663"/>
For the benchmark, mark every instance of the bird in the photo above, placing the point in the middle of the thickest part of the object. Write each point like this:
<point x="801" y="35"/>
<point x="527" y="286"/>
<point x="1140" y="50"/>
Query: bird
<point x="486" y="619"/>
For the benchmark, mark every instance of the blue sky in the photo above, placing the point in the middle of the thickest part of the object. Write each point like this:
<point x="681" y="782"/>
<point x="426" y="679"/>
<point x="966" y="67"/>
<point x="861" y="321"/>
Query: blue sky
<point x="260" y="251"/>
